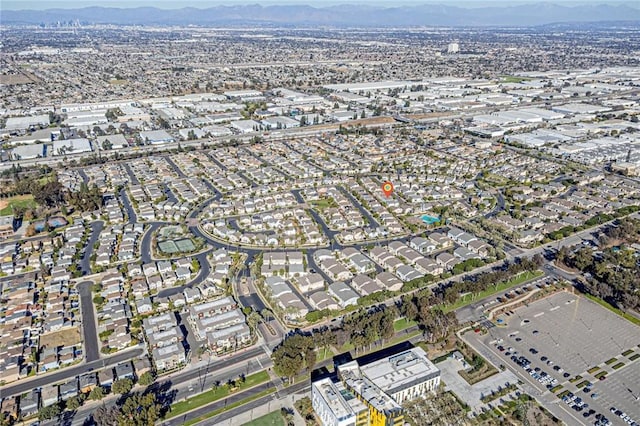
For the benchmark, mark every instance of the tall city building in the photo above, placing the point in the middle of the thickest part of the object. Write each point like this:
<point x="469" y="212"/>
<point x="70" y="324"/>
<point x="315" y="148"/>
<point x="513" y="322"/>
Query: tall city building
<point x="453" y="48"/>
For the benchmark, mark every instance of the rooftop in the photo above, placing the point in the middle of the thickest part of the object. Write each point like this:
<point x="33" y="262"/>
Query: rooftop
<point x="333" y="398"/>
<point x="395" y="372"/>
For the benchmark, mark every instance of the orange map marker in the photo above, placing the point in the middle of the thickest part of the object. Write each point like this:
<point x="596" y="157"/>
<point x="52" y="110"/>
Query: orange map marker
<point x="387" y="188"/>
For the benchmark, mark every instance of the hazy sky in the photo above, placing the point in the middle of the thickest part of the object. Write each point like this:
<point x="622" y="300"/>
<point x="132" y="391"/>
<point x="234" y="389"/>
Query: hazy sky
<point x="175" y="4"/>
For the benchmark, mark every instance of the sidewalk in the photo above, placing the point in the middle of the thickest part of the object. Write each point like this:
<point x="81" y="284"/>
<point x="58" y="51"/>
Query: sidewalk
<point x="263" y="410"/>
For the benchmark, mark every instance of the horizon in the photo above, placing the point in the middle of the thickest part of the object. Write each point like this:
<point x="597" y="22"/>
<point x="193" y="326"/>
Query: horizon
<point x="40" y="5"/>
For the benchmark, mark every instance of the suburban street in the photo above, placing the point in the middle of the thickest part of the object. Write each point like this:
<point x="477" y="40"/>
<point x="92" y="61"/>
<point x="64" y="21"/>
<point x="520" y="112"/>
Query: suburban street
<point x="28" y="384"/>
<point x="89" y="325"/>
<point x="85" y="261"/>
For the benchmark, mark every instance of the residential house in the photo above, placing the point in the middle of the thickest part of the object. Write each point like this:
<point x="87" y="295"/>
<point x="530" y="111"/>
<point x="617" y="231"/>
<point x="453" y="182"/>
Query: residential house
<point x="365" y="285"/>
<point x="323" y="300"/>
<point x="124" y="370"/>
<point x="388" y="281"/>
<point x="169" y="357"/>
<point x="344" y="294"/>
<point x="311" y="282"/>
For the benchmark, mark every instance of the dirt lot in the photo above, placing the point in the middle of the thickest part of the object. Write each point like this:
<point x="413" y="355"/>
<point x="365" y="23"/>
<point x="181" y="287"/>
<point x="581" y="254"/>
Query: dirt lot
<point x="10" y="79"/>
<point x="66" y="337"/>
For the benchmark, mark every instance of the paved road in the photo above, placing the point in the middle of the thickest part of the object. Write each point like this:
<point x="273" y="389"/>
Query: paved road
<point x="26" y="385"/>
<point x="325" y="229"/>
<point x="85" y="262"/>
<point x="364" y="212"/>
<point x="499" y="205"/>
<point x="171" y="197"/>
<point x="132" y="176"/>
<point x="205" y="270"/>
<point x="89" y="326"/>
<point x="145" y="244"/>
<point x="173" y="165"/>
<point x="186" y="383"/>
<point x="198" y="412"/>
<point x="84" y="176"/>
<point x="131" y="213"/>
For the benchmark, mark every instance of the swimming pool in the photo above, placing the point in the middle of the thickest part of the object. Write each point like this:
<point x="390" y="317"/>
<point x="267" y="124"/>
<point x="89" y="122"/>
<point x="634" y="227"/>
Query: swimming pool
<point x="54" y="222"/>
<point x="429" y="220"/>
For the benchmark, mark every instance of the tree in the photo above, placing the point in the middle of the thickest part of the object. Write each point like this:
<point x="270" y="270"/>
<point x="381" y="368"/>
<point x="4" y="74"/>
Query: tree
<point x="310" y="358"/>
<point x="107" y="145"/>
<point x="122" y="386"/>
<point x="76" y="402"/>
<point x="146" y="378"/>
<point x="5" y="420"/>
<point x="293" y="353"/>
<point x="49" y="412"/>
<point x="106" y="416"/>
<point x="139" y="410"/>
<point x="96" y="393"/>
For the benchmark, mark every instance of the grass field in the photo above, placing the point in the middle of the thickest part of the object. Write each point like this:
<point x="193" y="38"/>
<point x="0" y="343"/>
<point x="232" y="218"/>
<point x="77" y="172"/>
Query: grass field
<point x="347" y="347"/>
<point x="230" y="406"/>
<point x="271" y="419"/>
<point x="322" y="354"/>
<point x="514" y="79"/>
<point x="403" y="324"/>
<point x="7" y="205"/>
<point x="213" y="395"/>
<point x="467" y="299"/>
<point x="323" y="203"/>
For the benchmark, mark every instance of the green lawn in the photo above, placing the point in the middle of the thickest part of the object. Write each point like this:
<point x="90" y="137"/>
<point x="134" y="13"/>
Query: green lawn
<point x="611" y="361"/>
<point x="347" y="347"/>
<point x="627" y="352"/>
<point x="613" y="309"/>
<point x="514" y="79"/>
<point x="213" y="395"/>
<point x="403" y="324"/>
<point x="25" y="201"/>
<point x="271" y="419"/>
<point x="323" y="203"/>
<point x="634" y="357"/>
<point x="517" y="280"/>
<point x="322" y="354"/>
<point x="230" y="406"/>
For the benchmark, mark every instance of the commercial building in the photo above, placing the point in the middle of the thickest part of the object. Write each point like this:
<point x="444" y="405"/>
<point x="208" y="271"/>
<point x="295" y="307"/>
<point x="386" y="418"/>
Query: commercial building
<point x="404" y="376"/>
<point x="336" y="406"/>
<point x="371" y="393"/>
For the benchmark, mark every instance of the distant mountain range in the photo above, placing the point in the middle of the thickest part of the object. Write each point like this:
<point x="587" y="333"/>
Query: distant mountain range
<point x="336" y="16"/>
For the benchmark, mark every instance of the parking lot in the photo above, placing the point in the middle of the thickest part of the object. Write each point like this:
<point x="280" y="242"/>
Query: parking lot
<point x="551" y="341"/>
<point x="620" y="390"/>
